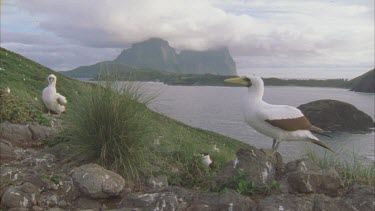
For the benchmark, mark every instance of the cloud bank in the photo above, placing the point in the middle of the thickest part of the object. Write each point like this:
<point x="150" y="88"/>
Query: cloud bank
<point x="264" y="33"/>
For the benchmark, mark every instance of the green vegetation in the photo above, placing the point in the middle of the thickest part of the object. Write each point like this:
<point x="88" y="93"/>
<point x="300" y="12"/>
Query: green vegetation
<point x="352" y="170"/>
<point x="111" y="127"/>
<point x="26" y="79"/>
<point x="243" y="186"/>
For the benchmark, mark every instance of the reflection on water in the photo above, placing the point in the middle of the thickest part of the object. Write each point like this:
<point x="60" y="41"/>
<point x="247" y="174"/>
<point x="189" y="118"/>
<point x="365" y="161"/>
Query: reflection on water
<point x="219" y="109"/>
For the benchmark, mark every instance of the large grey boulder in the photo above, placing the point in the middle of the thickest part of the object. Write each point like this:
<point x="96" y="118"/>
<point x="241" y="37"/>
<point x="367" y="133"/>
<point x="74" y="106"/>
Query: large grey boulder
<point x="361" y="197"/>
<point x="256" y="165"/>
<point x="334" y="115"/>
<point x="16" y="134"/>
<point x="304" y="202"/>
<point x="40" y="132"/>
<point x="24" y="196"/>
<point x="325" y="181"/>
<point x="97" y="182"/>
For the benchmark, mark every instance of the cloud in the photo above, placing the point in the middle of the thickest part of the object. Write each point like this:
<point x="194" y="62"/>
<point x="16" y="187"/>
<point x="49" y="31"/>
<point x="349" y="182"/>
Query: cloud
<point x="258" y="33"/>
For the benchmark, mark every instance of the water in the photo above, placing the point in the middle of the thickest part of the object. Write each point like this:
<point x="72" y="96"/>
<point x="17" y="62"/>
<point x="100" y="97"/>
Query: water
<point x="305" y="73"/>
<point x="218" y="109"/>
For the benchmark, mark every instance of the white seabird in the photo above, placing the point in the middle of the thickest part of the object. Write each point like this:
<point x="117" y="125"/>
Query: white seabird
<point x="280" y="122"/>
<point x="206" y="160"/>
<point x="52" y="100"/>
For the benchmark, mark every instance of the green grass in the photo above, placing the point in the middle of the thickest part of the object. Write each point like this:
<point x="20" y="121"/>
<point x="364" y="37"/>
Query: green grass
<point x="115" y="130"/>
<point x="26" y="79"/>
<point x="352" y="170"/>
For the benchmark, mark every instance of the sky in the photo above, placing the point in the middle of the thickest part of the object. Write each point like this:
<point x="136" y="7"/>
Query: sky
<point x="66" y="34"/>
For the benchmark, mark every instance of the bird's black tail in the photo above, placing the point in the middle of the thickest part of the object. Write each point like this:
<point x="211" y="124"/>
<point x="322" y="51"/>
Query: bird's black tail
<point x="321" y="144"/>
<point x="322" y="133"/>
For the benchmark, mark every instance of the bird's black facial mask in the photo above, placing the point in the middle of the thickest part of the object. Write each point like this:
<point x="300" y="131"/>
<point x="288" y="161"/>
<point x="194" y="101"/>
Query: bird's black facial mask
<point x="51" y="79"/>
<point x="247" y="81"/>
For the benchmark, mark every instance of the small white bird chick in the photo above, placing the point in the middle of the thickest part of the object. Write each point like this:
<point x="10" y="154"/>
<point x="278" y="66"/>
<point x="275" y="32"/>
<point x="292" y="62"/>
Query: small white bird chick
<point x="7" y="90"/>
<point x="206" y="160"/>
<point x="52" y="100"/>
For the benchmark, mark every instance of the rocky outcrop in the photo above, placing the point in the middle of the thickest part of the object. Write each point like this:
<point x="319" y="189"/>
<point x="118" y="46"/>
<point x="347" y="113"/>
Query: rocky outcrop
<point x="333" y="115"/>
<point x="361" y="197"/>
<point x="97" y="182"/>
<point x="176" y="198"/>
<point x="24" y="196"/>
<point x="256" y="165"/>
<point x="363" y="83"/>
<point x="21" y="135"/>
<point x="307" y="181"/>
<point x="7" y="152"/>
<point x="304" y="177"/>
<point x="16" y="134"/>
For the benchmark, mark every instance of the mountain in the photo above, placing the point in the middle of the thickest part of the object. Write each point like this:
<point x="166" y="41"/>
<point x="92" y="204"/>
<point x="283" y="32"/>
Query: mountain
<point x="217" y="61"/>
<point x="154" y="53"/>
<point x="157" y="54"/>
<point x="363" y="83"/>
<point x="92" y="71"/>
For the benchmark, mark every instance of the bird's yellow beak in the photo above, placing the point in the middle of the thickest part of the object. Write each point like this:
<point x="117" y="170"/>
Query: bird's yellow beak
<point x="237" y="80"/>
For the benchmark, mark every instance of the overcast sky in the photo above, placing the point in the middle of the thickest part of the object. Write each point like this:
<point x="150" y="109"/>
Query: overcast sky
<point x="261" y="33"/>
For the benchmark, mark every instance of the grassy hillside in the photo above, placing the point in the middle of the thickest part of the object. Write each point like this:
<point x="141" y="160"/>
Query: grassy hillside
<point x="177" y="153"/>
<point x="26" y="79"/>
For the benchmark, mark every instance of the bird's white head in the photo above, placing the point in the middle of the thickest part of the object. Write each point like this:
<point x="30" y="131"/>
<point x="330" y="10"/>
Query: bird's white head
<point x="52" y="80"/>
<point x="254" y="83"/>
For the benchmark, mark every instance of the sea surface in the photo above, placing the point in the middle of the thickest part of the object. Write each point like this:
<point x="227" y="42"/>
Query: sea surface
<point x="219" y="109"/>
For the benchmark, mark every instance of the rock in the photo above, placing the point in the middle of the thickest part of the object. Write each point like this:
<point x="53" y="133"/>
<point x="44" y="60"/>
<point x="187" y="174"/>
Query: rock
<point x="62" y="203"/>
<point x="310" y="202"/>
<point x="18" y="135"/>
<point x="361" y="197"/>
<point x="97" y="182"/>
<point x="150" y="201"/>
<point x="255" y="165"/>
<point x="177" y="198"/>
<point x="363" y="83"/>
<point x="158" y="182"/>
<point x="301" y="165"/>
<point x="24" y="196"/>
<point x="37" y="208"/>
<point x="41" y="183"/>
<point x="221" y="201"/>
<point x="333" y="115"/>
<point x="324" y="181"/>
<point x="40" y="132"/>
<point x="7" y="153"/>
<point x="86" y="203"/>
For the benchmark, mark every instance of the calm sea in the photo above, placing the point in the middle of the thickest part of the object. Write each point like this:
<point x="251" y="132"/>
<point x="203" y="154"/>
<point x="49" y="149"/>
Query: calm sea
<point x="218" y="109"/>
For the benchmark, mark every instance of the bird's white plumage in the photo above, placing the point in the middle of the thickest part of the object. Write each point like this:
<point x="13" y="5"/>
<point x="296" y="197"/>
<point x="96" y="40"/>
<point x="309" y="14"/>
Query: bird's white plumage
<point x="52" y="100"/>
<point x="257" y="111"/>
<point x="206" y="160"/>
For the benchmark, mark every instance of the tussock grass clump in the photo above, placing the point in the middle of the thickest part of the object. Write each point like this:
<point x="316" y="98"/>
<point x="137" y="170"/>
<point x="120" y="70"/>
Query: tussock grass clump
<point x="351" y="170"/>
<point x="108" y="125"/>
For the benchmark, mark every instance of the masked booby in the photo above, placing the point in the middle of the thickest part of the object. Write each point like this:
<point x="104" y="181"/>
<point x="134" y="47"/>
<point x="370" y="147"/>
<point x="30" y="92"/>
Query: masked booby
<point x="280" y="122"/>
<point x="52" y="100"/>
